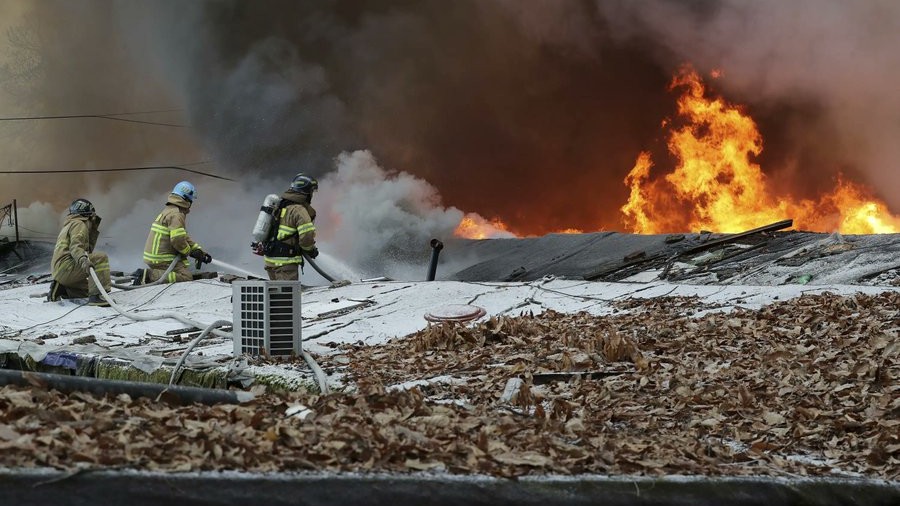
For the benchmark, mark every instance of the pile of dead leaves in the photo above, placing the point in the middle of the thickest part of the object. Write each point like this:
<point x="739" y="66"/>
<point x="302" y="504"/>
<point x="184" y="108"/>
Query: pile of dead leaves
<point x="803" y="386"/>
<point x="807" y="386"/>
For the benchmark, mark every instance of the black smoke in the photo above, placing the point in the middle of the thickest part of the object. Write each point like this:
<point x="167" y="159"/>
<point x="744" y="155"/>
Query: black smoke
<point x="531" y="111"/>
<point x="526" y="111"/>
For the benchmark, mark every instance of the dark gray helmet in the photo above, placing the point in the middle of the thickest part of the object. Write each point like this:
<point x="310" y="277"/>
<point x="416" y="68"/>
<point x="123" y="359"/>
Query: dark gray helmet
<point x="82" y="207"/>
<point x="304" y="184"/>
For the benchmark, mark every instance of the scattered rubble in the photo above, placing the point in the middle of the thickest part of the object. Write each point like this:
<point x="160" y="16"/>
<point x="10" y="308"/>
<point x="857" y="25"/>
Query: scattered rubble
<point x="762" y="256"/>
<point x="806" y="386"/>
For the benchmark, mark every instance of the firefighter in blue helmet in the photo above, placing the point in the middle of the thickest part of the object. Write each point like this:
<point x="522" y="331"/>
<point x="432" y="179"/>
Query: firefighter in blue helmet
<point x="296" y="234"/>
<point x="169" y="240"/>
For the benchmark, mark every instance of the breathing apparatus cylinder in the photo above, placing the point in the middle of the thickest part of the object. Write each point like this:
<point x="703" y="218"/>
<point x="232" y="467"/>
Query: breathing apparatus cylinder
<point x="263" y="226"/>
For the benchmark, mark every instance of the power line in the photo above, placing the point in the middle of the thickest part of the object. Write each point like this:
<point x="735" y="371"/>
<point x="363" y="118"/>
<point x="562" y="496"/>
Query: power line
<point x="93" y="116"/>
<point x="111" y="117"/>
<point x="134" y="113"/>
<point x="37" y="231"/>
<point x="120" y="169"/>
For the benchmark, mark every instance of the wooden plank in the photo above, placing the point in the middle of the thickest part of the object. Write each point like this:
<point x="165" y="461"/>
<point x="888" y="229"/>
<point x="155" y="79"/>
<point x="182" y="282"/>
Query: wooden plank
<point x="735" y="237"/>
<point x="618" y="267"/>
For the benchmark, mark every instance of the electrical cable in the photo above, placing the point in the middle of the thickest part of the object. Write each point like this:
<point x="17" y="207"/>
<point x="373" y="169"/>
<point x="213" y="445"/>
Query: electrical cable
<point x="152" y="298"/>
<point x="119" y="169"/>
<point x="110" y="117"/>
<point x="19" y="332"/>
<point x="49" y="234"/>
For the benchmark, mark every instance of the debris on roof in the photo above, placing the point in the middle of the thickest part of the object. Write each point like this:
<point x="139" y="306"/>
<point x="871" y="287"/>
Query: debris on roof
<point x="762" y="256"/>
<point x="793" y="388"/>
<point x="760" y="353"/>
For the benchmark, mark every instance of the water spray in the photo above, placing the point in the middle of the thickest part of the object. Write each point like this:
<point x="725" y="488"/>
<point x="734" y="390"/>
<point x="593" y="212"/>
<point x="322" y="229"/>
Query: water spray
<point x="238" y="270"/>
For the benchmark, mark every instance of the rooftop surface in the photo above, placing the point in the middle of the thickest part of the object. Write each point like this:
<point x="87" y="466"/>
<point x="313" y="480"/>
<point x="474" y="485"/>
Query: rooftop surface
<point x="581" y="365"/>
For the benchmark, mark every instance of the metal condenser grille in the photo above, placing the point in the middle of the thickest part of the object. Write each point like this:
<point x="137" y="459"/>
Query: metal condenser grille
<point x="267" y="318"/>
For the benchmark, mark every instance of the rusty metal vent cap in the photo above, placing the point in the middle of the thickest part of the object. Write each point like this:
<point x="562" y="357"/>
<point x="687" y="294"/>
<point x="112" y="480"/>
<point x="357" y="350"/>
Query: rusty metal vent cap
<point x="455" y="313"/>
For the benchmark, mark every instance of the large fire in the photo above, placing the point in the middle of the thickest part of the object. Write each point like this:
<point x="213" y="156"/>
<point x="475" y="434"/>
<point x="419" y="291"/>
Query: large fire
<point x="715" y="185"/>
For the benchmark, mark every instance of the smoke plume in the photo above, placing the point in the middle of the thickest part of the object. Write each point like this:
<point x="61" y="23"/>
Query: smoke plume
<point x="377" y="220"/>
<point x="532" y="112"/>
<point x="520" y="109"/>
<point x="510" y="109"/>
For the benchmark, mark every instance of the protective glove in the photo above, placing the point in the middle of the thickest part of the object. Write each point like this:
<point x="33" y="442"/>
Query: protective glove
<point x="313" y="253"/>
<point x="85" y="263"/>
<point x="201" y="256"/>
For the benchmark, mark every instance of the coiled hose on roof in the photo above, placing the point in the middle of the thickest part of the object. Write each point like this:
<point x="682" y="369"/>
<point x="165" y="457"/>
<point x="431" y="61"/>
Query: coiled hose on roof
<point x="207" y="329"/>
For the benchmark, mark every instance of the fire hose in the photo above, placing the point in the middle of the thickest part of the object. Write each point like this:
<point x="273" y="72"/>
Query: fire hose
<point x="207" y="329"/>
<point x="319" y="269"/>
<point x="161" y="279"/>
<point x="140" y="318"/>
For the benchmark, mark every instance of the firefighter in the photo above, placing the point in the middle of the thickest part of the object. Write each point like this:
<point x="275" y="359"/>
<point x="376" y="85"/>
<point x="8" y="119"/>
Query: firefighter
<point x="74" y="255"/>
<point x="296" y="234"/>
<point x="169" y="240"/>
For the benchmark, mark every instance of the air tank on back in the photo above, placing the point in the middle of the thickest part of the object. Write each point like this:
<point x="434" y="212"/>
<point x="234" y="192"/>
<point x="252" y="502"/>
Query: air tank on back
<point x="264" y="222"/>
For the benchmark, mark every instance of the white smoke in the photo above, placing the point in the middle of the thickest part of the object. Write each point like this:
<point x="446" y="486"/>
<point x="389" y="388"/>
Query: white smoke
<point x="38" y="221"/>
<point x="370" y="221"/>
<point x="380" y="222"/>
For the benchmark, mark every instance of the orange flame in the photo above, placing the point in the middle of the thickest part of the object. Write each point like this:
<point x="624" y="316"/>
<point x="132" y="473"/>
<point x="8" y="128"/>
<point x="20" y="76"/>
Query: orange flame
<point x="473" y="226"/>
<point x="723" y="189"/>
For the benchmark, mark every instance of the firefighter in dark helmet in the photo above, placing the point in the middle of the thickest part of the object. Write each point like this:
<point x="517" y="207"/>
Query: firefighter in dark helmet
<point x="74" y="256"/>
<point x="296" y="234"/>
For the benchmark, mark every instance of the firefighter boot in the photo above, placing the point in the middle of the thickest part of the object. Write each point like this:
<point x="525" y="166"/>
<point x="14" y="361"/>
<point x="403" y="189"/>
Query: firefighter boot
<point x="139" y="276"/>
<point x="96" y="300"/>
<point x="57" y="292"/>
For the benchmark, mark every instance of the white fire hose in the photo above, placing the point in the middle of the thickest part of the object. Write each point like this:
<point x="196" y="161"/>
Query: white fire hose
<point x="161" y="279"/>
<point x="207" y="329"/>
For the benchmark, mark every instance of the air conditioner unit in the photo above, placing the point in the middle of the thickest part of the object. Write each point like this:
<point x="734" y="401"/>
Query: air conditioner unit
<point x="266" y="318"/>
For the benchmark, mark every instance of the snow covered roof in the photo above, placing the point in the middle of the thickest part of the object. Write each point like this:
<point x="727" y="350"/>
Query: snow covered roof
<point x="370" y="313"/>
<point x="564" y="272"/>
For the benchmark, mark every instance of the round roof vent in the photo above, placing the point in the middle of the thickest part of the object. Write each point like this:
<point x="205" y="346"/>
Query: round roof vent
<point x="455" y="313"/>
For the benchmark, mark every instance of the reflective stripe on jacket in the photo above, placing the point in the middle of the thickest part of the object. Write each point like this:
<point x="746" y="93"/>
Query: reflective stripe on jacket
<point x="75" y="241"/>
<point x="168" y="237"/>
<point x="295" y="228"/>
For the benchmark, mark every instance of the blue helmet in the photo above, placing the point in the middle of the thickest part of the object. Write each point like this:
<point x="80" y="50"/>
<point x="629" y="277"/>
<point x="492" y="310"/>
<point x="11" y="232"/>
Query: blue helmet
<point x="303" y="184"/>
<point x="185" y="190"/>
<point x="82" y="207"/>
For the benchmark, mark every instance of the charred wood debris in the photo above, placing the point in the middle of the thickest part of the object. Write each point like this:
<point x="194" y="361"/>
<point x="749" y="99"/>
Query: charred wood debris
<point x="721" y="258"/>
